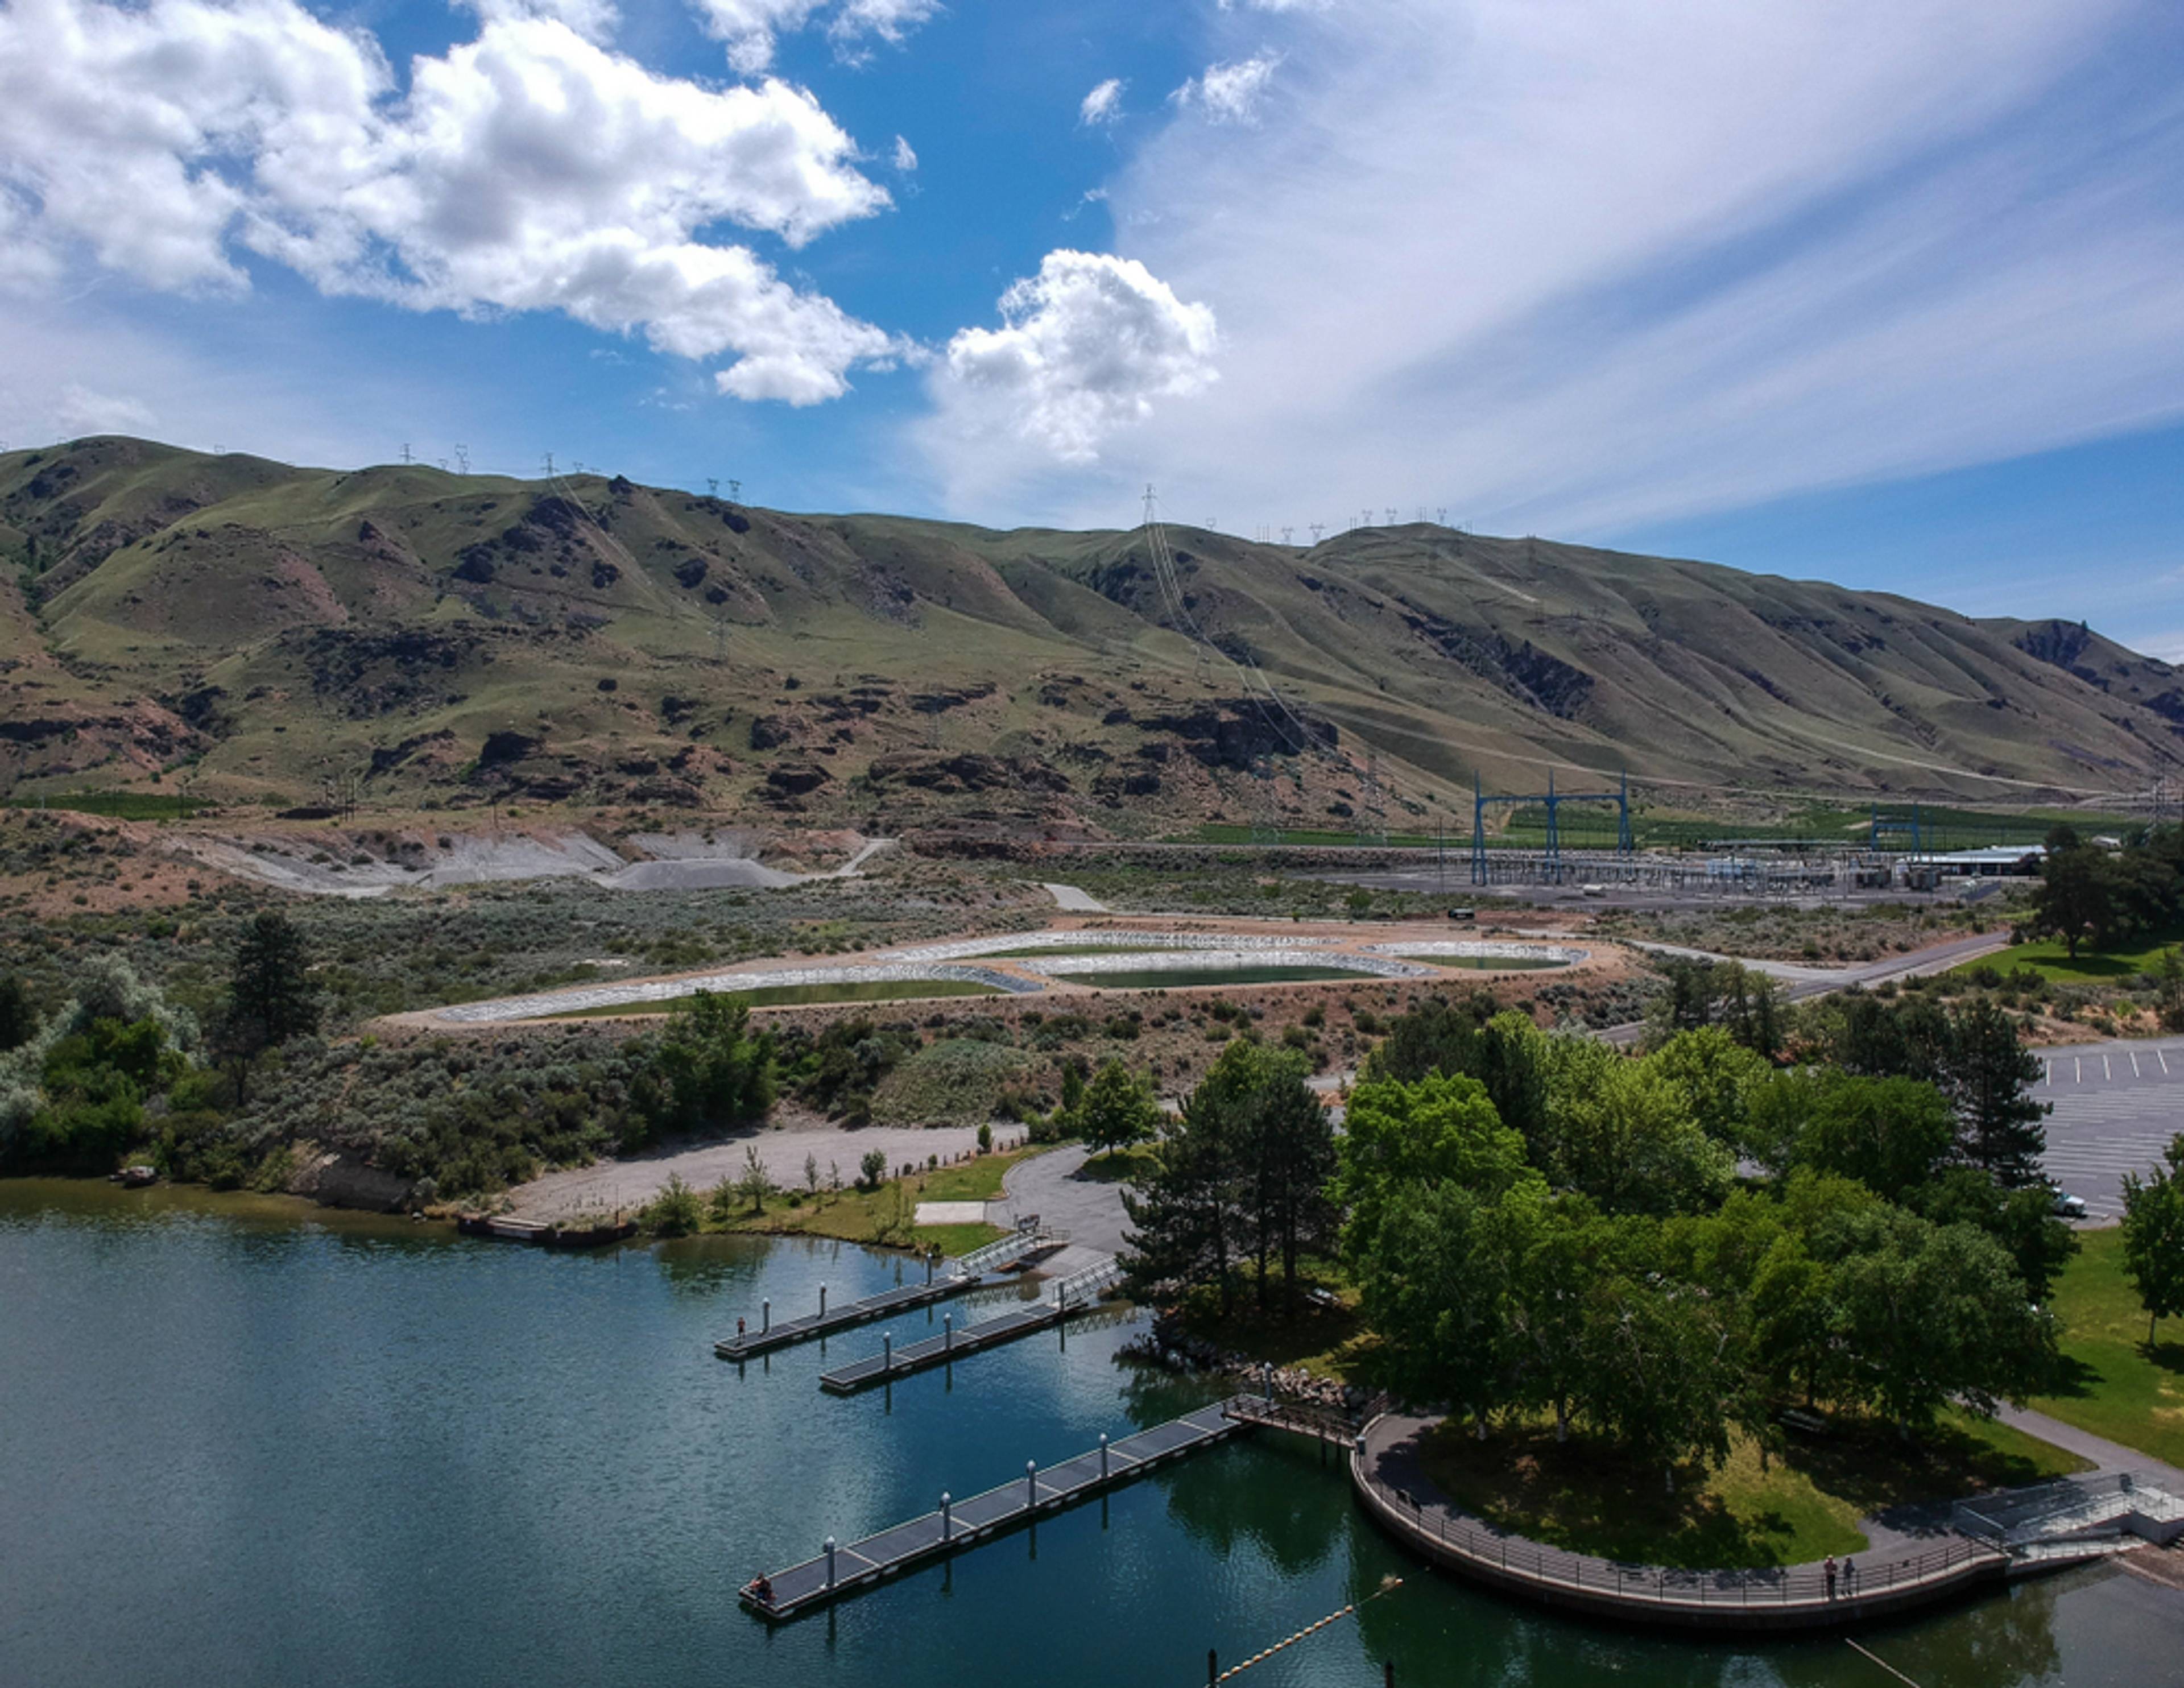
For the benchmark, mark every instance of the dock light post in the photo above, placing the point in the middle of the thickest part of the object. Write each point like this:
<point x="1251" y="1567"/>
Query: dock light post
<point x="887" y="1350"/>
<point x="830" y="1561"/>
<point x="948" y="1333"/>
<point x="1266" y="1376"/>
<point x="1103" y="1456"/>
<point x="822" y="1300"/>
<point x="765" y="1316"/>
<point x="929" y="1255"/>
<point x="1031" y="1484"/>
<point x="944" y="1514"/>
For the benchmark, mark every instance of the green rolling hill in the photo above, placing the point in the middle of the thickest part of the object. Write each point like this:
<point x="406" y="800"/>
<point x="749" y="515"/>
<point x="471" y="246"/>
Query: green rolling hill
<point x="262" y="632"/>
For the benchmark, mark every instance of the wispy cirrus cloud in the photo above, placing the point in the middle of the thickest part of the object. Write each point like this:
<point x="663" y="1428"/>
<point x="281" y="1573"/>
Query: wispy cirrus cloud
<point x="1597" y="264"/>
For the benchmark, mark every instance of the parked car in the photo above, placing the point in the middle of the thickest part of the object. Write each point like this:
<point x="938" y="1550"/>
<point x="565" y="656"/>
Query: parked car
<point x="2067" y="1205"/>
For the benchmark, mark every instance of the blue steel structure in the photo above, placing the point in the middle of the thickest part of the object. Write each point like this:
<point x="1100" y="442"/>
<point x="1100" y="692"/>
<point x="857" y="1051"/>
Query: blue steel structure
<point x="1552" y="799"/>
<point x="1895" y="829"/>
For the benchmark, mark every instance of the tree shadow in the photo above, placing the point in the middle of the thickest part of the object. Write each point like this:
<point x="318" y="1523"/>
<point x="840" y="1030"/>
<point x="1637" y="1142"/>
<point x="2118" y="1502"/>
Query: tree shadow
<point x="2072" y="1376"/>
<point x="1590" y="1496"/>
<point x="1901" y="1480"/>
<point x="2167" y="1354"/>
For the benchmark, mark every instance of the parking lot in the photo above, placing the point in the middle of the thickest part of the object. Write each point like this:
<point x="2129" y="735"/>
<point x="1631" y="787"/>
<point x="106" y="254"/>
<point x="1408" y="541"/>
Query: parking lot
<point x="2116" y="1105"/>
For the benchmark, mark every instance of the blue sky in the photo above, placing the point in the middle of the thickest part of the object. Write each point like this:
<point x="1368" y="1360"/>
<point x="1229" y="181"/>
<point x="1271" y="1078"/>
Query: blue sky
<point x="1886" y="294"/>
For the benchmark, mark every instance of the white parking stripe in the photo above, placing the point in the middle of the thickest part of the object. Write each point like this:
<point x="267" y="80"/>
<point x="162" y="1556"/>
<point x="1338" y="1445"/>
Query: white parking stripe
<point x="2134" y="1063"/>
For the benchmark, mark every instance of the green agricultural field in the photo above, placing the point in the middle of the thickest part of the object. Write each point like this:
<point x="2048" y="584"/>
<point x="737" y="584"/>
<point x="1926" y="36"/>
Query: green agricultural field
<point x="114" y="805"/>
<point x="795" y="996"/>
<point x="2051" y="960"/>
<point x="2118" y="1387"/>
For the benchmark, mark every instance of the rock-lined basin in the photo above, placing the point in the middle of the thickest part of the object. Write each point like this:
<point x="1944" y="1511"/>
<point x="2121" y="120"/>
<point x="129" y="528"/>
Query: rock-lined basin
<point x="1117" y="938"/>
<point x="1487" y="949"/>
<point x="1228" y="957"/>
<point x="579" y="998"/>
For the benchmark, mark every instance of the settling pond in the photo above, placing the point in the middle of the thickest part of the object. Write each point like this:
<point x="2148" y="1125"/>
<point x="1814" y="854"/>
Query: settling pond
<point x="240" y="1443"/>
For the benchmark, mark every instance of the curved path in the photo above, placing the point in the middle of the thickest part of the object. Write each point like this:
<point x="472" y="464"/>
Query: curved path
<point x="1910" y="1561"/>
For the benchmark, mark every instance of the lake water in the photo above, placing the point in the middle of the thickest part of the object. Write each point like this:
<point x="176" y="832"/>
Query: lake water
<point x="244" y="1444"/>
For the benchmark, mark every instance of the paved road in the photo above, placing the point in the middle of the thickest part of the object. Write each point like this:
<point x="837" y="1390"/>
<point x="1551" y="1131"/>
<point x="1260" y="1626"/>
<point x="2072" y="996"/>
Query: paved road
<point x="1053" y="1186"/>
<point x="1805" y="982"/>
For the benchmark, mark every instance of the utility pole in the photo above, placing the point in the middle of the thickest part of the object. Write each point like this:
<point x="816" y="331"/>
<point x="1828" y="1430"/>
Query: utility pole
<point x="405" y="451"/>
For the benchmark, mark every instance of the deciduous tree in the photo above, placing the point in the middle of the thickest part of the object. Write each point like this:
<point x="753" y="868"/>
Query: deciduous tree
<point x="2154" y="1236"/>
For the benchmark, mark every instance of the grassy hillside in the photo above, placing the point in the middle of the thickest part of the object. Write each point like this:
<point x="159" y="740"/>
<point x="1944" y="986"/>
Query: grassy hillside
<point x="268" y="633"/>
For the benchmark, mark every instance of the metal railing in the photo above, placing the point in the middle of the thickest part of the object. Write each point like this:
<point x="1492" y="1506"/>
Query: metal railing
<point x="2069" y="1507"/>
<point x="1081" y="1288"/>
<point x="1001" y="1251"/>
<point x="1552" y="1569"/>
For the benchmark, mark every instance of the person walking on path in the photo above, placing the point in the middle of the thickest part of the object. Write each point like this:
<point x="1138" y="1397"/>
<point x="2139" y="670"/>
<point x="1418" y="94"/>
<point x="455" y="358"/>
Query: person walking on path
<point x="1830" y="1570"/>
<point x="1850" y="1577"/>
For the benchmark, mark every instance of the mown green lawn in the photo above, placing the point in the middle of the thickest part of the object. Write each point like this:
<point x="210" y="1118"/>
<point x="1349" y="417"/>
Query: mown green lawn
<point x="2119" y="1387"/>
<point x="2051" y="960"/>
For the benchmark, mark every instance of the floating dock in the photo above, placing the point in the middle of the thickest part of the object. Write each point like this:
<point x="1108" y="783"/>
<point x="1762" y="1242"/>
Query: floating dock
<point x="860" y="1565"/>
<point x="1072" y="1295"/>
<point x="945" y="1349"/>
<point x="980" y="1269"/>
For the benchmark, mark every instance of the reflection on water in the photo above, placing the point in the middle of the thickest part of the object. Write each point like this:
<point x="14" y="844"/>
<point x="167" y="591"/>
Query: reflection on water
<point x="244" y="1442"/>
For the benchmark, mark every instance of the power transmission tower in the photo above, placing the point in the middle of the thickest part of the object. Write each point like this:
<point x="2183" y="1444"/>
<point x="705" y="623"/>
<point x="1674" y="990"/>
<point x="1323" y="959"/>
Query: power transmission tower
<point x="1286" y="533"/>
<point x="549" y="465"/>
<point x="735" y="492"/>
<point x="463" y="459"/>
<point x="1440" y="516"/>
<point x="405" y="451"/>
<point x="1317" y="529"/>
<point x="712" y="485"/>
<point x="1391" y="515"/>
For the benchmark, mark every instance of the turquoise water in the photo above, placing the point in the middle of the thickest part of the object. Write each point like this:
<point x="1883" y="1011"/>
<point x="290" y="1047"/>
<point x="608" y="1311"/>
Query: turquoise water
<point x="239" y="1445"/>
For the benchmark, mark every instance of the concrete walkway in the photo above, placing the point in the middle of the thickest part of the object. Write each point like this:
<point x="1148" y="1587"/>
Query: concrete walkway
<point x="1911" y="1559"/>
<point x="2106" y="1455"/>
<point x="1069" y="898"/>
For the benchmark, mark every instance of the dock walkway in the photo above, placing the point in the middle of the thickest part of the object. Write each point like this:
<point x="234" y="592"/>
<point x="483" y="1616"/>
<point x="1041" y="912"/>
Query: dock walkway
<point x="1076" y="1293"/>
<point x="859" y="1565"/>
<point x="945" y="1349"/>
<point x="812" y="1326"/>
<point x="990" y="1265"/>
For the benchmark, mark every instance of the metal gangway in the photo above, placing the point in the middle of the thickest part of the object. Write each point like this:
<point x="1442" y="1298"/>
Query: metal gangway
<point x="1006" y="1251"/>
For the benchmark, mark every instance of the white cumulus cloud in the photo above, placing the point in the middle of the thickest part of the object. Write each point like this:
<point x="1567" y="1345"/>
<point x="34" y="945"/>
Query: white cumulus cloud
<point x="1085" y="347"/>
<point x="1104" y="105"/>
<point x="1231" y="93"/>
<point x="529" y="168"/>
<point x="905" y="156"/>
<point x="750" y="29"/>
